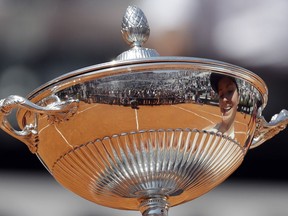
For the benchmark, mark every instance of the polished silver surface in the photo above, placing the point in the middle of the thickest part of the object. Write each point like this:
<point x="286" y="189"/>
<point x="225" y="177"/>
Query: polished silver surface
<point x="147" y="133"/>
<point x="135" y="31"/>
<point x="55" y="109"/>
<point x="177" y="164"/>
<point x="144" y="132"/>
<point x="266" y="130"/>
<point x="135" y="27"/>
<point x="157" y="205"/>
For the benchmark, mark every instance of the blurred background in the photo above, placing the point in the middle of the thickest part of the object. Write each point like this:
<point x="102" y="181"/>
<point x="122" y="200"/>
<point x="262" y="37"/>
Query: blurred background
<point x="41" y="40"/>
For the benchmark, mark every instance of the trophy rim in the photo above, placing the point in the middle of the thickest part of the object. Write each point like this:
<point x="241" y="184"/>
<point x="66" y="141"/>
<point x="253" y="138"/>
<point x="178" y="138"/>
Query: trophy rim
<point x="117" y="67"/>
<point x="129" y="66"/>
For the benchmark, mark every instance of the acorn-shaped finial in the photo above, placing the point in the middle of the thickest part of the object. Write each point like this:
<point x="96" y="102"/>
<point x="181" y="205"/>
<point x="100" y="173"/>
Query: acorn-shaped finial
<point x="135" y="28"/>
<point x="135" y="31"/>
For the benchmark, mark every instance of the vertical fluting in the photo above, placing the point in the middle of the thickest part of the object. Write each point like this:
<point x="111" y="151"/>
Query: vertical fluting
<point x="174" y="163"/>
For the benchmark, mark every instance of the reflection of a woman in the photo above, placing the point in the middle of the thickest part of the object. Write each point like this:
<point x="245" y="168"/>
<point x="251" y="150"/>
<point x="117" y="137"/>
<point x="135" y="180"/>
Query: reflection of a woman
<point x="227" y="90"/>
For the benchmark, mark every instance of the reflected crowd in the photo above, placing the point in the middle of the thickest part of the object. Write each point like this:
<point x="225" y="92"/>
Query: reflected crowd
<point x="157" y="88"/>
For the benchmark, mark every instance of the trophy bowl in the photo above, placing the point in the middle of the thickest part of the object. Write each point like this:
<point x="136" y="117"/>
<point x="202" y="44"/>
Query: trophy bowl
<point x="144" y="132"/>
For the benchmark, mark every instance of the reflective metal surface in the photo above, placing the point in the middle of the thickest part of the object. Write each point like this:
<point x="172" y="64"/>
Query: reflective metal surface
<point x="144" y="132"/>
<point x="135" y="31"/>
<point x="144" y="128"/>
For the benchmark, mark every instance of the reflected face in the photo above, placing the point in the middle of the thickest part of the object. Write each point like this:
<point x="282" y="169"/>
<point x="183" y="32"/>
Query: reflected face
<point x="228" y="98"/>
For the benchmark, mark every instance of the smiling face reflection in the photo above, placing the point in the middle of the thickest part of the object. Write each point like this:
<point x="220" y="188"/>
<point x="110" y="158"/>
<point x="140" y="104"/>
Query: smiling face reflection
<point x="228" y="96"/>
<point x="228" y="99"/>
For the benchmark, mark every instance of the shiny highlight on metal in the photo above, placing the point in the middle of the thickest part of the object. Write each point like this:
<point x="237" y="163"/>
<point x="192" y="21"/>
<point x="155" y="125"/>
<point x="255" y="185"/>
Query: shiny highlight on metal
<point x="178" y="164"/>
<point x="144" y="132"/>
<point x="135" y="31"/>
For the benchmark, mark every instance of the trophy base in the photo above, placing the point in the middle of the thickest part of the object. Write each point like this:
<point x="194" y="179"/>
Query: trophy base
<point x="154" y="206"/>
<point x="126" y="171"/>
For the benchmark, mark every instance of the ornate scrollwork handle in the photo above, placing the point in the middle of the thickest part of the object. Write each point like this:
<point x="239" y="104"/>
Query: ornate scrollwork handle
<point x="56" y="111"/>
<point x="266" y="130"/>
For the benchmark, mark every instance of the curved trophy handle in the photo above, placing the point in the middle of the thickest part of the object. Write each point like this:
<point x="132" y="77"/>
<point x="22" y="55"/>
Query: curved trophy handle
<point x="56" y="111"/>
<point x="266" y="130"/>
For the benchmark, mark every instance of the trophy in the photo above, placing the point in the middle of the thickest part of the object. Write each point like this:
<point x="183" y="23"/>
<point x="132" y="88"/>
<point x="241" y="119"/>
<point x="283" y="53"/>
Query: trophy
<point x="144" y="132"/>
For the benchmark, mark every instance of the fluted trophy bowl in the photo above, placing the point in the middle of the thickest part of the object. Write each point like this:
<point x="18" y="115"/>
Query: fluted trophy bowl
<point x="144" y="132"/>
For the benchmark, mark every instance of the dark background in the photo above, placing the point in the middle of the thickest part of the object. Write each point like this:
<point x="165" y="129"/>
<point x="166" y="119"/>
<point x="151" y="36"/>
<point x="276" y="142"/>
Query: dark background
<point x="40" y="40"/>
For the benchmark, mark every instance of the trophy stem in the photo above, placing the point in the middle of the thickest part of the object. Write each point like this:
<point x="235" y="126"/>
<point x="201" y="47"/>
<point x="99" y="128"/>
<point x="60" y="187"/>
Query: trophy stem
<point x="154" y="206"/>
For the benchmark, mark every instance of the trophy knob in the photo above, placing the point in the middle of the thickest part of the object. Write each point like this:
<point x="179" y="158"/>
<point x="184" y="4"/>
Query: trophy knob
<point x="135" y="28"/>
<point x="135" y="32"/>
